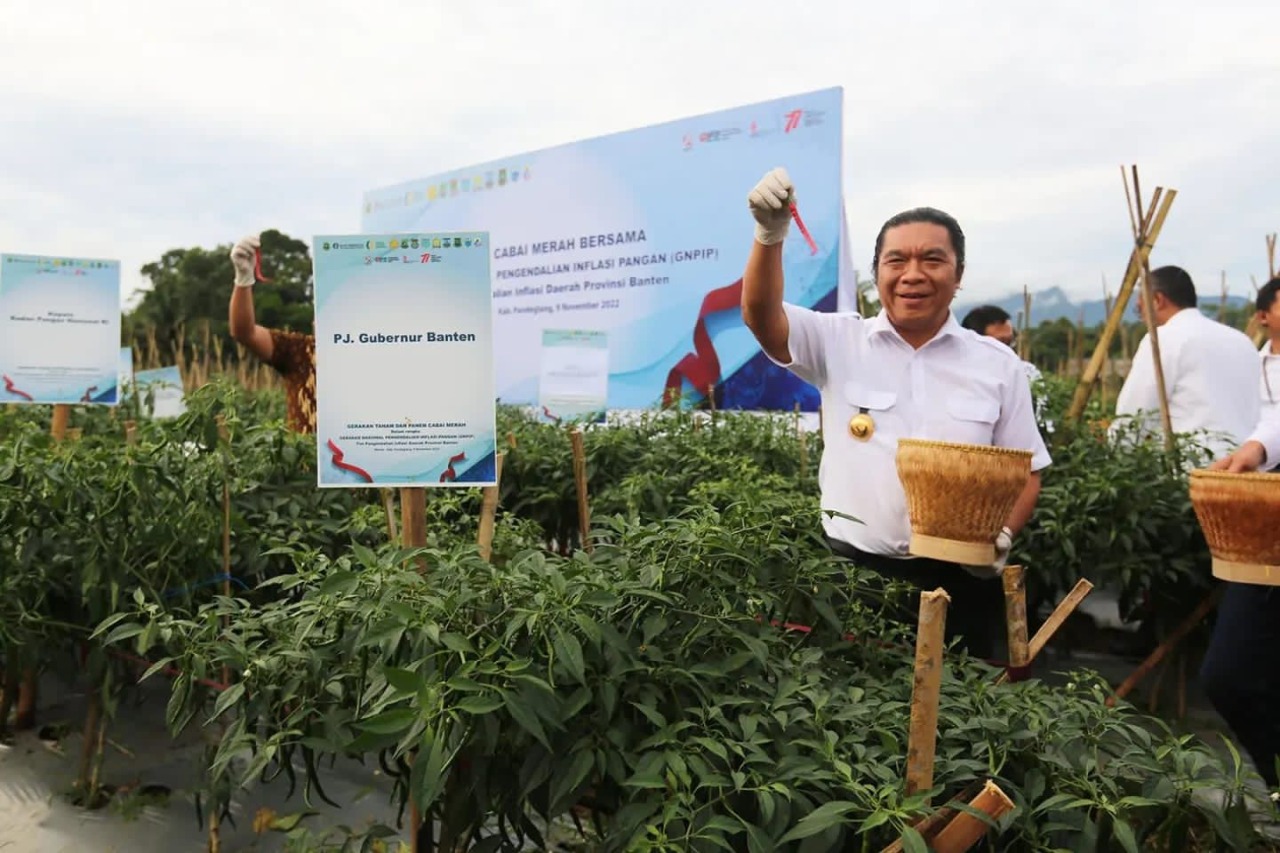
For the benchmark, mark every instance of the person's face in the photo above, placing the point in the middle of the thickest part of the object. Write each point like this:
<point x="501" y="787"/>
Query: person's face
<point x="1159" y="302"/>
<point x="1270" y="319"/>
<point x="1002" y="332"/>
<point x="917" y="276"/>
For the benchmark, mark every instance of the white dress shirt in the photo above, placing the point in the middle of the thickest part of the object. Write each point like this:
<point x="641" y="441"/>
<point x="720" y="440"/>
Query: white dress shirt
<point x="1210" y="377"/>
<point x="1267" y="433"/>
<point x="959" y="387"/>
<point x="1270" y="381"/>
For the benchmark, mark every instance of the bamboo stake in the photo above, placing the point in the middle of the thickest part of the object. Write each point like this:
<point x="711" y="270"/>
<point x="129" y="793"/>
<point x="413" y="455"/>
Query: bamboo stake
<point x="1271" y="255"/>
<point x="931" y="825"/>
<point x="1222" y="300"/>
<point x="1059" y="616"/>
<point x="1158" y="212"/>
<point x="965" y="830"/>
<point x="1055" y="621"/>
<point x="1015" y="610"/>
<point x="1024" y="339"/>
<point x="489" y="510"/>
<point x="413" y="525"/>
<point x="1169" y="644"/>
<point x="388" y="507"/>
<point x="413" y="520"/>
<point x="580" y="477"/>
<point x="1148" y="315"/>
<point x="926" y="689"/>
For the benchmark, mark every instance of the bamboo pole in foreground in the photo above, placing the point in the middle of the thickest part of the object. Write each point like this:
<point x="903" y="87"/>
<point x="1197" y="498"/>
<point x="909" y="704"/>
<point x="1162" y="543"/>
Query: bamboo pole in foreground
<point x="926" y="690"/>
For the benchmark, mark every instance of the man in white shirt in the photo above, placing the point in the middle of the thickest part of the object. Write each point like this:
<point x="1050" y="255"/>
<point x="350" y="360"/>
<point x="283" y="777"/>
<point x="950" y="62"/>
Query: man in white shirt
<point x="916" y="374"/>
<point x="1268" y="305"/>
<point x="995" y="322"/>
<point x="1240" y="673"/>
<point x="1210" y="370"/>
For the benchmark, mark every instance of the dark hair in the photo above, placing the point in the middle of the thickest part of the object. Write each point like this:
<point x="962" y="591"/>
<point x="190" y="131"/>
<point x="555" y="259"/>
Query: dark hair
<point x="931" y="215"/>
<point x="1267" y="294"/>
<point x="1175" y="284"/>
<point x="979" y="318"/>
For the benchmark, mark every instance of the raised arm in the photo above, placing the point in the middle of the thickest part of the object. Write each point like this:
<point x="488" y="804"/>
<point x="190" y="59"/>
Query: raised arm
<point x="244" y="325"/>
<point x="770" y="203"/>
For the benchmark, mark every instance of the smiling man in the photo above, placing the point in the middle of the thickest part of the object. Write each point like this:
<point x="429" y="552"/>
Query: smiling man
<point x="910" y="372"/>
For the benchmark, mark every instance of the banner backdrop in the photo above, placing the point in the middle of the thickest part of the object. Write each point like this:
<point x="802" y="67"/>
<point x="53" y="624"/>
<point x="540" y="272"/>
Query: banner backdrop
<point x="644" y="235"/>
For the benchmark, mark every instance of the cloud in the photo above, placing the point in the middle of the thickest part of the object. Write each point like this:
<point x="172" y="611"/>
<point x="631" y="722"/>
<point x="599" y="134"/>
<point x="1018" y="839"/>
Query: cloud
<point x="135" y="127"/>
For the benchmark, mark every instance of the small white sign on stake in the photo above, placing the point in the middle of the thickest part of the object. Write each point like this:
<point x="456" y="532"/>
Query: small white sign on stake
<point x="574" y="381"/>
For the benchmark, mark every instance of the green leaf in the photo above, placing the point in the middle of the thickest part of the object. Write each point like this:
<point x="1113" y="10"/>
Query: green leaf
<point x="286" y="823"/>
<point x="122" y="632"/>
<point x="156" y="667"/>
<point x="429" y="770"/>
<point x="527" y="720"/>
<point x="388" y="722"/>
<point x="478" y="705"/>
<point x="567" y="781"/>
<point x="404" y="681"/>
<point x="227" y="698"/>
<point x="820" y="819"/>
<point x="913" y="841"/>
<point x="1124" y="834"/>
<point x="458" y="643"/>
<point x="338" y="583"/>
<point x="569" y="651"/>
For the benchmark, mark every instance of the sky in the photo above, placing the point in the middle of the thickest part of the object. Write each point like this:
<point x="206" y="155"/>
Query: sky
<point x="139" y="126"/>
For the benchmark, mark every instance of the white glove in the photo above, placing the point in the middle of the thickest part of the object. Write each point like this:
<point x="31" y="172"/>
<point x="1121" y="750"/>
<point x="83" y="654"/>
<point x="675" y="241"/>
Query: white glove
<point x="770" y="203"/>
<point x="244" y="257"/>
<point x="1004" y="542"/>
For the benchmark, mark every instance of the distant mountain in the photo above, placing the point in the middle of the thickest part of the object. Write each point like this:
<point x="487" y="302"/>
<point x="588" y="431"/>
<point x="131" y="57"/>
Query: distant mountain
<point x="1054" y="303"/>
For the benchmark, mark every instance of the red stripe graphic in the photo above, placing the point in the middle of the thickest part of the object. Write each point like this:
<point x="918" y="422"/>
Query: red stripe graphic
<point x="346" y="466"/>
<point x="449" y="473"/>
<point x="88" y="394"/>
<point x="547" y="412"/>
<point x="8" y="386"/>
<point x="702" y="366"/>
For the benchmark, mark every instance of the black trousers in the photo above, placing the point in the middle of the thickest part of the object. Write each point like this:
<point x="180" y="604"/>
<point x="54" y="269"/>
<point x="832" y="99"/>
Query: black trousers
<point x="975" y="616"/>
<point x="1241" y="671"/>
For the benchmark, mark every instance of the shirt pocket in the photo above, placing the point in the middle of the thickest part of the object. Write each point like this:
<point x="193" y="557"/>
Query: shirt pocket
<point x="879" y="404"/>
<point x="970" y="420"/>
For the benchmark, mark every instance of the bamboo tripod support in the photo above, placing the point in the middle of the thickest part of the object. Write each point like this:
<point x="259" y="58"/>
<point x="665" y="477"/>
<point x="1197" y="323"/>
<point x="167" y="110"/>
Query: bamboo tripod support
<point x="1138" y="221"/>
<point x="1153" y="222"/>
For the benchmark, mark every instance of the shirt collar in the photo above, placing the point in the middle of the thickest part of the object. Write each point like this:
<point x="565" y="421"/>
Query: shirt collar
<point x="1184" y="315"/>
<point x="880" y="325"/>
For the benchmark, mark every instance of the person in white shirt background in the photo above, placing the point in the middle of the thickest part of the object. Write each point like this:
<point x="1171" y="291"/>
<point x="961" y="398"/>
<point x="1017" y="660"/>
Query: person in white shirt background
<point x="915" y="373"/>
<point x="1211" y="371"/>
<point x="1268" y="306"/>
<point x="995" y="322"/>
<point x="1241" y="672"/>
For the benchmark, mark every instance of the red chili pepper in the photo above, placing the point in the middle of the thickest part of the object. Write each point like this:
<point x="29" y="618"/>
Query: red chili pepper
<point x="795" y="214"/>
<point x="257" y="266"/>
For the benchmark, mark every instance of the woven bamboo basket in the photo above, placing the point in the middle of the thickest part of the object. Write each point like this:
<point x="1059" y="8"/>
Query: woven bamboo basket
<point x="959" y="496"/>
<point x="1240" y="517"/>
